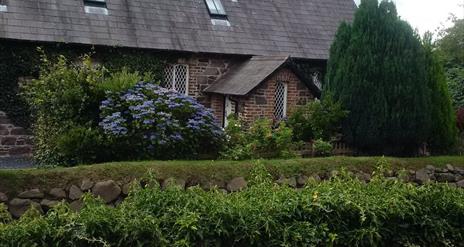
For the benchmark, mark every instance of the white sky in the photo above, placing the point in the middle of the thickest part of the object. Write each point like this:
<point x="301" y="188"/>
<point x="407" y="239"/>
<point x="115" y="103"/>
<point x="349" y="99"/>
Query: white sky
<point x="427" y="15"/>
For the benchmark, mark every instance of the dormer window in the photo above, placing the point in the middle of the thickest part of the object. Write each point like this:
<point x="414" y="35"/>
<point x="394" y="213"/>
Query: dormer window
<point x="216" y="9"/>
<point x="95" y="7"/>
<point x="3" y="6"/>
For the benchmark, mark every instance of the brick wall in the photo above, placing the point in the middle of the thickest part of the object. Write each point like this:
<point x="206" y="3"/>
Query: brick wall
<point x="217" y="105"/>
<point x="260" y="102"/>
<point x="14" y="141"/>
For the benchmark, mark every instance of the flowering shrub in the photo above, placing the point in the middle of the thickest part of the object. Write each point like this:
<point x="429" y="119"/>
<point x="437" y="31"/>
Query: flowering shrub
<point x="160" y="123"/>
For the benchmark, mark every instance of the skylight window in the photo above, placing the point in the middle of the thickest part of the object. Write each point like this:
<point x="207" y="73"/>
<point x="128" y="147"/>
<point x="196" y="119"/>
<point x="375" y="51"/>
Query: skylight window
<point x="95" y="7"/>
<point x="3" y="6"/>
<point x="216" y="9"/>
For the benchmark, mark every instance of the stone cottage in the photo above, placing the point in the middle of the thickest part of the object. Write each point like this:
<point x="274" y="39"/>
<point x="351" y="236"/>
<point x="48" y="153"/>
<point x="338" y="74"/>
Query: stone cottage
<point x="259" y="58"/>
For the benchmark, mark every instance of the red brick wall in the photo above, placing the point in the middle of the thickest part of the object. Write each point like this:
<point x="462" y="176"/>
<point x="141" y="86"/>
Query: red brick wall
<point x="217" y="105"/>
<point x="260" y="101"/>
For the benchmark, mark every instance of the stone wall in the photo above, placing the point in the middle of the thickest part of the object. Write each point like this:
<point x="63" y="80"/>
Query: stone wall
<point x="114" y="192"/>
<point x="14" y="141"/>
<point x="204" y="70"/>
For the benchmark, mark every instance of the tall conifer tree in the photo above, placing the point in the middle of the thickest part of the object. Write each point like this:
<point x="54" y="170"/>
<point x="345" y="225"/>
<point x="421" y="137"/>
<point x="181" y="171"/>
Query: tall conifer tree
<point x="443" y="131"/>
<point x="376" y="70"/>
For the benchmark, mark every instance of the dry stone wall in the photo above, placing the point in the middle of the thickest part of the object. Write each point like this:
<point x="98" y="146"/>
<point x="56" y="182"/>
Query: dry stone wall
<point x="14" y="140"/>
<point x="113" y="192"/>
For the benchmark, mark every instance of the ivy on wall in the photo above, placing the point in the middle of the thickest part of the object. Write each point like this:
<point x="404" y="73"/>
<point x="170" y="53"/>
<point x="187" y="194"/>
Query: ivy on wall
<point x="22" y="59"/>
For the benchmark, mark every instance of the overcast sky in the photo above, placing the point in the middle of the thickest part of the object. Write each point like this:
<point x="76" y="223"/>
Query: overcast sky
<point x="427" y="15"/>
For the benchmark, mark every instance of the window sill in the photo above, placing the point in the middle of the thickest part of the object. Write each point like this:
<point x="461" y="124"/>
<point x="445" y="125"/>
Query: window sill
<point x="95" y="10"/>
<point x="220" y="22"/>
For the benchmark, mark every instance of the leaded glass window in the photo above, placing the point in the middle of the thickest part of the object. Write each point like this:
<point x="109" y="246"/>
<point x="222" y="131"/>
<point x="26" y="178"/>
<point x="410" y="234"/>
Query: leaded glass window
<point x="176" y="78"/>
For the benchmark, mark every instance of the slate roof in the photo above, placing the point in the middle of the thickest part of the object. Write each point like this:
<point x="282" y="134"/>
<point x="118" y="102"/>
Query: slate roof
<point x="244" y="78"/>
<point x="297" y="28"/>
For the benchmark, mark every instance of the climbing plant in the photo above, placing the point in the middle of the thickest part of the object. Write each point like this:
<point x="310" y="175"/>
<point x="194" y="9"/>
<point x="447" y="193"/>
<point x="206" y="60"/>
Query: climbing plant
<point x="21" y="60"/>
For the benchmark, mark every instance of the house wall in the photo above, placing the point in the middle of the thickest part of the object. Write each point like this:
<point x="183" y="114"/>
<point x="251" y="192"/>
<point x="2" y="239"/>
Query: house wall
<point x="260" y="101"/>
<point x="204" y="70"/>
<point x="14" y="140"/>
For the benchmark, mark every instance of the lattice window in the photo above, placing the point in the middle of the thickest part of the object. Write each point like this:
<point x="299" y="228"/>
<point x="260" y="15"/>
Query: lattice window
<point x="316" y="76"/>
<point x="176" y="78"/>
<point x="280" y="107"/>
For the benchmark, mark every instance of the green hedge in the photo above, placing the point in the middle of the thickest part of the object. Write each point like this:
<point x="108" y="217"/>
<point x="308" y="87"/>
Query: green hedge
<point x="22" y="59"/>
<point x="340" y="212"/>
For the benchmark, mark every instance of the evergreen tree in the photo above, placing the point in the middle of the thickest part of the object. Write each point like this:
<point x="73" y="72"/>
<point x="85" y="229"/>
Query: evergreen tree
<point x="443" y="131"/>
<point x="376" y="70"/>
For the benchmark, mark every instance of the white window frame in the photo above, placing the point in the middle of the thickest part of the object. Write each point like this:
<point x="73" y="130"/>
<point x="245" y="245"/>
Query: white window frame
<point x="170" y="83"/>
<point x="216" y="8"/>
<point x="284" y="101"/>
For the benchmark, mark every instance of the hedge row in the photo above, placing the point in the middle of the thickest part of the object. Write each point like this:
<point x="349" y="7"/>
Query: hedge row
<point x="339" y="212"/>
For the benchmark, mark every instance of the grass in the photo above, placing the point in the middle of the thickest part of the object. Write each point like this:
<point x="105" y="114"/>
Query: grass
<point x="197" y="172"/>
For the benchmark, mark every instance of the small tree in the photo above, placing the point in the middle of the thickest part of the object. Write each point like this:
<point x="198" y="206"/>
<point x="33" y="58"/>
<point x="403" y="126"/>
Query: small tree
<point x="442" y="134"/>
<point x="376" y="70"/>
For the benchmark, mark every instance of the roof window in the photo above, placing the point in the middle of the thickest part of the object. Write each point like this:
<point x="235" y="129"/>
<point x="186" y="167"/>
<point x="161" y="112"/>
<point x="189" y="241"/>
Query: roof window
<point x="3" y="6"/>
<point x="216" y="9"/>
<point x="95" y="7"/>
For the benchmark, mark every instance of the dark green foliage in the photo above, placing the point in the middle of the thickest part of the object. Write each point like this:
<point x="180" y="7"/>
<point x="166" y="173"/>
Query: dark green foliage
<point x="451" y="50"/>
<point x="339" y="212"/>
<point x="456" y="84"/>
<point x="322" y="148"/>
<point x="317" y="119"/>
<point x="378" y="71"/>
<point x="260" y="140"/>
<point x="443" y="131"/>
<point x="83" y="145"/>
<point x="450" y="43"/>
<point x="65" y="101"/>
<point x="14" y="63"/>
<point x="22" y="59"/>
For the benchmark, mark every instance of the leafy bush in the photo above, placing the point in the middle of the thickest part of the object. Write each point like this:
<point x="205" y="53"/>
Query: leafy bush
<point x="123" y="80"/>
<point x="160" y="123"/>
<point x="65" y="96"/>
<point x="82" y="145"/>
<point x="339" y="212"/>
<point x="65" y="100"/>
<point x="260" y="140"/>
<point x="322" y="148"/>
<point x="455" y="77"/>
<point x="317" y="119"/>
